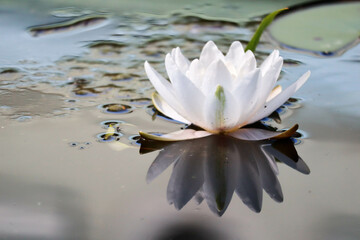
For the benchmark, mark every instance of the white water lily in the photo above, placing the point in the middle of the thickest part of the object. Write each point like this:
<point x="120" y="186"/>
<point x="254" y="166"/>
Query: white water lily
<point x="220" y="93"/>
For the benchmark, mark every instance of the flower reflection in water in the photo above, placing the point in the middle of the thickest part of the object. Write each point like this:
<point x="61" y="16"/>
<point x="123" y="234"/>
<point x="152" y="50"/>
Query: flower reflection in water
<point x="213" y="167"/>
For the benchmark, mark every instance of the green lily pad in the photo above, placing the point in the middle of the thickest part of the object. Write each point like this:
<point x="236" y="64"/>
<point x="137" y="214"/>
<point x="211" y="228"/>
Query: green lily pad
<point x="238" y="11"/>
<point x="325" y="29"/>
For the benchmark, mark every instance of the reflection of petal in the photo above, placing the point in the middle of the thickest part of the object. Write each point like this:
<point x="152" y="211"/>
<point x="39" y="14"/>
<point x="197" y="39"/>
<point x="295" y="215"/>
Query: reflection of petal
<point x="163" y="161"/>
<point x="249" y="187"/>
<point x="286" y="153"/>
<point x="220" y="173"/>
<point x="269" y="180"/>
<point x="187" y="176"/>
<point x="213" y="167"/>
<point x="199" y="196"/>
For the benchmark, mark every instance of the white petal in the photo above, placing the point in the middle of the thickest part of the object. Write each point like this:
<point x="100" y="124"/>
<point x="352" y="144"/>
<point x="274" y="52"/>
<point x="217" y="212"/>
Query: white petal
<point x="276" y="102"/>
<point x="220" y="111"/>
<point x="268" y="81"/>
<point x="247" y="64"/>
<point x="180" y="135"/>
<point x="181" y="61"/>
<point x="253" y="134"/>
<point x="162" y="86"/>
<point x="246" y="97"/>
<point x="216" y="74"/>
<point x="236" y="50"/>
<point x="242" y="83"/>
<point x="265" y="66"/>
<point x="276" y="91"/>
<point x="265" y="86"/>
<point x="165" y="109"/>
<point x="186" y="92"/>
<point x="195" y="72"/>
<point x="210" y="53"/>
<point x="235" y="53"/>
<point x="186" y="134"/>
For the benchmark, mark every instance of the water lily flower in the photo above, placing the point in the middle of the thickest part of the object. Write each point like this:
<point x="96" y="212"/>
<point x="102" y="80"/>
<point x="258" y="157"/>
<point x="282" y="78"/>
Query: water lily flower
<point x="220" y="93"/>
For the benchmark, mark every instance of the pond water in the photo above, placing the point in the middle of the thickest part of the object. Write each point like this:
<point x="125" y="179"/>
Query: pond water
<point x="70" y="73"/>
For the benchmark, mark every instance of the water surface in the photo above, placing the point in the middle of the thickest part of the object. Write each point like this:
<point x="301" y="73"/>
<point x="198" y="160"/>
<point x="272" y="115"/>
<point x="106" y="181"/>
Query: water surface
<point x="67" y="74"/>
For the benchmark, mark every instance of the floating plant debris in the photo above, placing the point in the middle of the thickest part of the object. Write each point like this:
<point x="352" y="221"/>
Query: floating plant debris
<point x="8" y="70"/>
<point x="81" y="88"/>
<point x="139" y="101"/>
<point x="86" y="91"/>
<point x="106" y="44"/>
<point x="117" y="108"/>
<point x="107" y="47"/>
<point x="71" y="100"/>
<point x="291" y="62"/>
<point x="84" y="21"/>
<point x="110" y="132"/>
<point x="104" y="137"/>
<point x="120" y="76"/>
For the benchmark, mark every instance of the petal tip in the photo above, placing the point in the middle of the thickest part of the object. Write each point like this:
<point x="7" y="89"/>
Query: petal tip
<point x="288" y="133"/>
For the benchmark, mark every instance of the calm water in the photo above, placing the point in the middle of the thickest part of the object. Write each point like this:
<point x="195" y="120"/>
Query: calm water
<point x="66" y="74"/>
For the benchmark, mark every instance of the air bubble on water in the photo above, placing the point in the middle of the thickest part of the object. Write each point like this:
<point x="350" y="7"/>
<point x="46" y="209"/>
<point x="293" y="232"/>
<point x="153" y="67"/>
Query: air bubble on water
<point x="113" y="123"/>
<point x="134" y="140"/>
<point x="73" y="144"/>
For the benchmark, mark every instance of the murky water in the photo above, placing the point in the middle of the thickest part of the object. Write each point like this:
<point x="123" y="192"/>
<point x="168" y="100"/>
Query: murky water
<point x="68" y="74"/>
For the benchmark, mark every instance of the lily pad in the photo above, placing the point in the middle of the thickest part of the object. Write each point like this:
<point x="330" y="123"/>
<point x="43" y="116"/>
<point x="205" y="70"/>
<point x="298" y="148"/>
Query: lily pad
<point x="325" y="29"/>
<point x="238" y="11"/>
